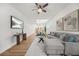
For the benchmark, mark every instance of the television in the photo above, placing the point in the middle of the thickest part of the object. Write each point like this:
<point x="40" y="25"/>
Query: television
<point x="16" y="23"/>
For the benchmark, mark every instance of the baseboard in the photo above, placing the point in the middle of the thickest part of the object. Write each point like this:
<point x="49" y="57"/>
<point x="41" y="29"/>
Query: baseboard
<point x="14" y="44"/>
<point x="7" y="48"/>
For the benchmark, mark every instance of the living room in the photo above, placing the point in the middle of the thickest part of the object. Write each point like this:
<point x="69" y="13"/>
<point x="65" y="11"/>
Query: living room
<point x="51" y="21"/>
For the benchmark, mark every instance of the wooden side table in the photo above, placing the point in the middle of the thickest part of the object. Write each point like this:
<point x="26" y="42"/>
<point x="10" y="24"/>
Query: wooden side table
<point x="17" y="38"/>
<point x="24" y="36"/>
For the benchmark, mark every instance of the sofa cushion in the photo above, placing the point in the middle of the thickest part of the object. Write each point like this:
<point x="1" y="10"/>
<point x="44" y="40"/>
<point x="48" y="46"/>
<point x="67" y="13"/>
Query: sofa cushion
<point x="71" y="39"/>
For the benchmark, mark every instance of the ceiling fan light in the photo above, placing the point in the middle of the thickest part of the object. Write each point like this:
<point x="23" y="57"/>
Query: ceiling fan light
<point x="39" y="10"/>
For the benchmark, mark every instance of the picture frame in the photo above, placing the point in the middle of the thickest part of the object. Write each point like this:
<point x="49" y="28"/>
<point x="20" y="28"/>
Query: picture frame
<point x="71" y="21"/>
<point x="59" y="25"/>
<point x="16" y="23"/>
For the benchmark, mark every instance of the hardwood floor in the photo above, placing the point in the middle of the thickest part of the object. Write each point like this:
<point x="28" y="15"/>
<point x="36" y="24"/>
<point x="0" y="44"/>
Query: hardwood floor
<point x="19" y="50"/>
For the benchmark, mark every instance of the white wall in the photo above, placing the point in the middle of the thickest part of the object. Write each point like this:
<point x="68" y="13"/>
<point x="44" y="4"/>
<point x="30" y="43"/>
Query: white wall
<point x="6" y="33"/>
<point x="51" y="26"/>
<point x="30" y="29"/>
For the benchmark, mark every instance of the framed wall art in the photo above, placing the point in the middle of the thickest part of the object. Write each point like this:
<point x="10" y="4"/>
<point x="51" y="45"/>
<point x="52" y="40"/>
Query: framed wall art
<point x="59" y="25"/>
<point x="71" y="21"/>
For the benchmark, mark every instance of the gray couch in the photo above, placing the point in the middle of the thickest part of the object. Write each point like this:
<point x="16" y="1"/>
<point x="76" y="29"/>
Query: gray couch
<point x="71" y="41"/>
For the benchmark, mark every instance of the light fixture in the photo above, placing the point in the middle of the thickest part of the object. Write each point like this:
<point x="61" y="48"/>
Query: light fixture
<point x="40" y="7"/>
<point x="39" y="10"/>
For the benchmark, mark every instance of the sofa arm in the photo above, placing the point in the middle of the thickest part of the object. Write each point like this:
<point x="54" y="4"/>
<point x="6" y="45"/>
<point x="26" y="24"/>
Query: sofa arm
<point x="72" y="48"/>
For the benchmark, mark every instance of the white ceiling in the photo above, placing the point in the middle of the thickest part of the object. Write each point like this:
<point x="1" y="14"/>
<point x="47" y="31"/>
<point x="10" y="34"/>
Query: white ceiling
<point x="52" y="10"/>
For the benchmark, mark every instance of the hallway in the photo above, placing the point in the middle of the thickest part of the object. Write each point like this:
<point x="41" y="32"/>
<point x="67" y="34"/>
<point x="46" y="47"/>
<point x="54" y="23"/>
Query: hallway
<point x="19" y="50"/>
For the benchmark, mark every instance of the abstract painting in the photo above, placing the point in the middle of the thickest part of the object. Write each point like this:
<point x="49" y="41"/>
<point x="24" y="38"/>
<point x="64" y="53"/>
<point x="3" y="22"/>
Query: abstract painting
<point x="71" y="21"/>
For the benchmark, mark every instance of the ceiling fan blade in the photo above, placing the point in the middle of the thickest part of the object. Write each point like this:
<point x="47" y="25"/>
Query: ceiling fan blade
<point x="44" y="10"/>
<point x="36" y="4"/>
<point x="45" y="5"/>
<point x="40" y="6"/>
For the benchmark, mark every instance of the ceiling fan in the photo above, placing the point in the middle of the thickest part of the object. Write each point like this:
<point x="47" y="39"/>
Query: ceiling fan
<point x="40" y="8"/>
